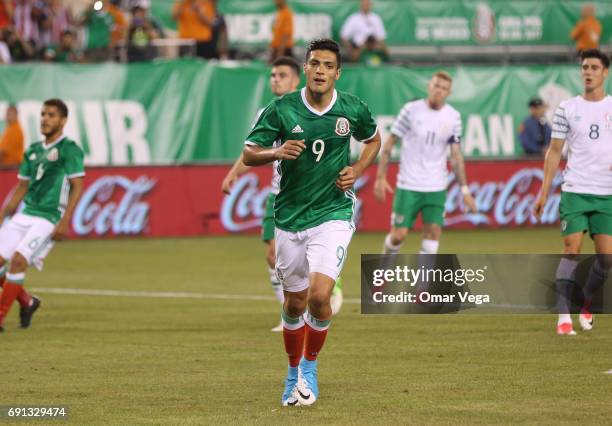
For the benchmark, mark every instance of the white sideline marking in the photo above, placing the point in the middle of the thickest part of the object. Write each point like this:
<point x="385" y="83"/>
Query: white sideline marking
<point x="217" y="296"/>
<point x="159" y="294"/>
<point x="608" y="372"/>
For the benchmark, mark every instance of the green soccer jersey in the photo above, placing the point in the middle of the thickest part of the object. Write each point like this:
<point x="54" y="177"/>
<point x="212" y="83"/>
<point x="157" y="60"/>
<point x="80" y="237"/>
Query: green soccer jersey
<point x="48" y="169"/>
<point x="308" y="194"/>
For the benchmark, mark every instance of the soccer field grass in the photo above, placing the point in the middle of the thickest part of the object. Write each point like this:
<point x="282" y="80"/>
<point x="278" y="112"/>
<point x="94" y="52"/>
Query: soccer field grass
<point x="210" y="358"/>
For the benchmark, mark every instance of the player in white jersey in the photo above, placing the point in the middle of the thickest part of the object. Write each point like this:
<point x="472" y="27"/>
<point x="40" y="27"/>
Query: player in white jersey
<point x="584" y="123"/>
<point x="284" y="78"/>
<point x="427" y="128"/>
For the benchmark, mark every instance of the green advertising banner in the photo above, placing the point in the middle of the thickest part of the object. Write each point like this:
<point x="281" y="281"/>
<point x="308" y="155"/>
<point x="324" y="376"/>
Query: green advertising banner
<point x="414" y="22"/>
<point x="192" y="111"/>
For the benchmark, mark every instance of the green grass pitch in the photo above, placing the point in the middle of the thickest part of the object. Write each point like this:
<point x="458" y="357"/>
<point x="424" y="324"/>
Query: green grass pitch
<point x="213" y="360"/>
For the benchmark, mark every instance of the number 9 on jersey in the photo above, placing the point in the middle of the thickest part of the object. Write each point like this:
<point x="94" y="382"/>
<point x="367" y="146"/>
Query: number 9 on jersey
<point x="318" y="148"/>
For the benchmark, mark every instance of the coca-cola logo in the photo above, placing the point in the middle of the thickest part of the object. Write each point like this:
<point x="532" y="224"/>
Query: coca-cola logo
<point x="504" y="203"/>
<point x="98" y="212"/>
<point x="245" y="206"/>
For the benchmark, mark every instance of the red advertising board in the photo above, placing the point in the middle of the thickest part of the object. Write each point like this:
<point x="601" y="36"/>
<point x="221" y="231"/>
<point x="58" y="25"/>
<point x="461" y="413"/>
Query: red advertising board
<point x="187" y="200"/>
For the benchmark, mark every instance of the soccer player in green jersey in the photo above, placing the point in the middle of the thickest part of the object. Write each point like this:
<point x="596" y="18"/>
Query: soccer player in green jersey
<point x="313" y="211"/>
<point x="50" y="182"/>
<point x="284" y="78"/>
<point x="584" y="123"/>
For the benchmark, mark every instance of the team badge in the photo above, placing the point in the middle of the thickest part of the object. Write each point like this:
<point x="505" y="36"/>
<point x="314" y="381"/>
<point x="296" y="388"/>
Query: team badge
<point x="563" y="225"/>
<point x="342" y="127"/>
<point x="397" y="218"/>
<point x="32" y="156"/>
<point x="53" y="155"/>
<point x="609" y="120"/>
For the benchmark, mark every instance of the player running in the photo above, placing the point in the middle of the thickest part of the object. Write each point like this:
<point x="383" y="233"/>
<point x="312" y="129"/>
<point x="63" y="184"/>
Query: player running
<point x="313" y="211"/>
<point x="51" y="182"/>
<point x="585" y="124"/>
<point x="426" y="127"/>
<point x="284" y="78"/>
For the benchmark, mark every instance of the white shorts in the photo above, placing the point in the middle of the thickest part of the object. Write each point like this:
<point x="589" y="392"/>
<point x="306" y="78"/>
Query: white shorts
<point x="320" y="249"/>
<point x="28" y="235"/>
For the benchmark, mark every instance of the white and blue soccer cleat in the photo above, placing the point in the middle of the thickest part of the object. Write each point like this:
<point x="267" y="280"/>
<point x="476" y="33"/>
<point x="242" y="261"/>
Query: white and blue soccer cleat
<point x="308" y="385"/>
<point x="290" y="395"/>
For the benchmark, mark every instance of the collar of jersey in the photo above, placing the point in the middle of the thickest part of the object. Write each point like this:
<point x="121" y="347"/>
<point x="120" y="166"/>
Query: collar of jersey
<point x="314" y="111"/>
<point x="593" y="102"/>
<point x="55" y="142"/>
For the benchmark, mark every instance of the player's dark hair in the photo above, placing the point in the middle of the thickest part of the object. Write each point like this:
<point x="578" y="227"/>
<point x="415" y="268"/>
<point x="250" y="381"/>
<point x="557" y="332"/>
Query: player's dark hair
<point x="596" y="53"/>
<point x="59" y="104"/>
<point x="325" y="44"/>
<point x="288" y="61"/>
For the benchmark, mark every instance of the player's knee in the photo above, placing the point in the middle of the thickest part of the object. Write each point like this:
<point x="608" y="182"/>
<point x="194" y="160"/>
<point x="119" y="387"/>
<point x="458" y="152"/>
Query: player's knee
<point x="295" y="304"/>
<point x="398" y="235"/>
<point x="432" y="232"/>
<point x="318" y="300"/>
<point x="18" y="263"/>
<point x="571" y="247"/>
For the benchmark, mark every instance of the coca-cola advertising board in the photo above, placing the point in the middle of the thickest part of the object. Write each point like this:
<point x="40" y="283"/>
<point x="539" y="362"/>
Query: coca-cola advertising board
<point x="187" y="200"/>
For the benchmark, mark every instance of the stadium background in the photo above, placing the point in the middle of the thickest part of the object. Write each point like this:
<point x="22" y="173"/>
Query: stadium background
<point x="187" y="111"/>
<point x="159" y="138"/>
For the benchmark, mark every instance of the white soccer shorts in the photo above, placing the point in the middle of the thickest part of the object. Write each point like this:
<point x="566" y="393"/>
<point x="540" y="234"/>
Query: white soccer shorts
<point x="320" y="249"/>
<point x="28" y="235"/>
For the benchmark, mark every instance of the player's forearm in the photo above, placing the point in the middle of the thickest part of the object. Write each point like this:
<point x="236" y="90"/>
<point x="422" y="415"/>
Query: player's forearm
<point x="239" y="168"/>
<point x="458" y="166"/>
<point x="385" y="157"/>
<point x="76" y="189"/>
<point x="368" y="155"/>
<point x="257" y="156"/>
<point x="18" y="195"/>
<point x="551" y="164"/>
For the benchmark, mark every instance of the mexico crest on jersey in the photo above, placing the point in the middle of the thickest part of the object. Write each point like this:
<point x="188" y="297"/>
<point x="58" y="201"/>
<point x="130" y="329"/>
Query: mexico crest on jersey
<point x="342" y="127"/>
<point x="609" y="120"/>
<point x="53" y="155"/>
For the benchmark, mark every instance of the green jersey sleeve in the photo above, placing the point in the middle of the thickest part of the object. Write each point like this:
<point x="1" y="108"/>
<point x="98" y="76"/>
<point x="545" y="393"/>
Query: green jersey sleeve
<point x="366" y="125"/>
<point x="266" y="129"/>
<point x="73" y="164"/>
<point x="25" y="169"/>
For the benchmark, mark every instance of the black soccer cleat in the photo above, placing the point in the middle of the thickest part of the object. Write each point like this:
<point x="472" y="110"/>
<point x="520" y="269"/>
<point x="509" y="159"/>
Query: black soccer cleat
<point x="1" y="329"/>
<point x="26" y="314"/>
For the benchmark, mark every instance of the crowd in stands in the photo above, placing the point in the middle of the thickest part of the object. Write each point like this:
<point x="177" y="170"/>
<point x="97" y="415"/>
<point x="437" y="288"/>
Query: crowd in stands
<point x="47" y="30"/>
<point x="124" y="30"/>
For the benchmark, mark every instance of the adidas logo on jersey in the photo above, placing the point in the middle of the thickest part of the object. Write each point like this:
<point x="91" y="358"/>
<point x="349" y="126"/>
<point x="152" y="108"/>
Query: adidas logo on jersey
<point x="297" y="129"/>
